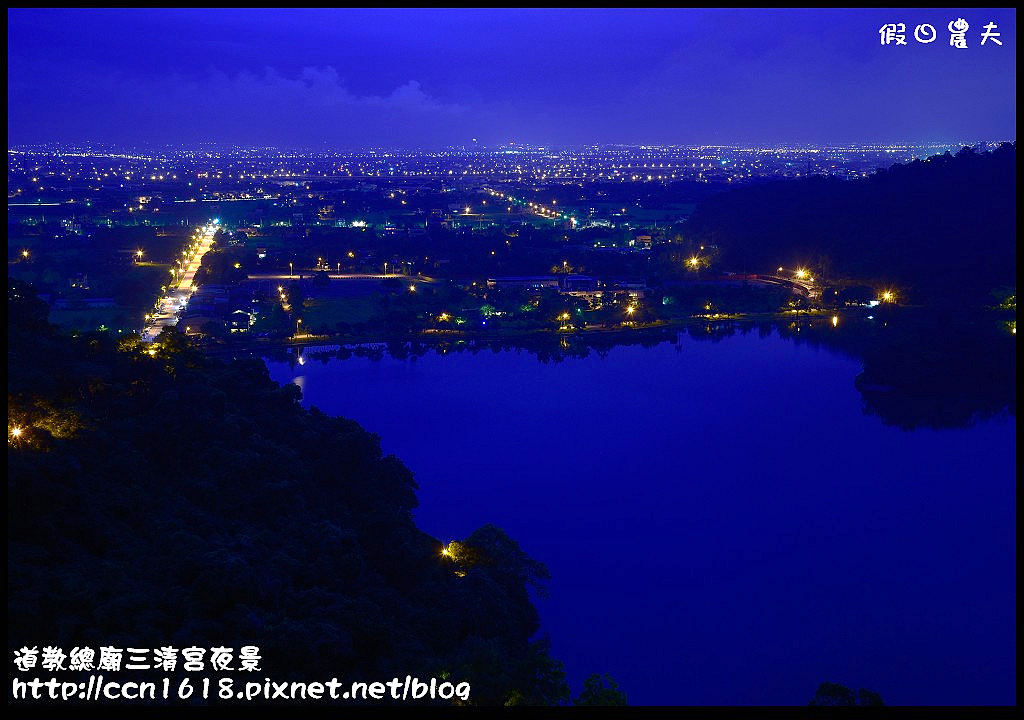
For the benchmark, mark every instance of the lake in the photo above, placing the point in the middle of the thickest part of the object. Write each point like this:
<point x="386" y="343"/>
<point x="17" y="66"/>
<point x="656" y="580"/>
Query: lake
<point x="722" y="521"/>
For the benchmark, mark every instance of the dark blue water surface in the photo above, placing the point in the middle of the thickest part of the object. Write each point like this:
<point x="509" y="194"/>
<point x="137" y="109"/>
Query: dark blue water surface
<point x="722" y="522"/>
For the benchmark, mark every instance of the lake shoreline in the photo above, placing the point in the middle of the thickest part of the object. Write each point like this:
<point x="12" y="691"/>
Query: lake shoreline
<point x="648" y="331"/>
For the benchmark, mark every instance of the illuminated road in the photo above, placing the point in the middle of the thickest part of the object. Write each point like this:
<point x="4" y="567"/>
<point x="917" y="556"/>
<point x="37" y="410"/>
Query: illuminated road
<point x="306" y="274"/>
<point x="805" y="286"/>
<point x="173" y="302"/>
<point x="548" y="213"/>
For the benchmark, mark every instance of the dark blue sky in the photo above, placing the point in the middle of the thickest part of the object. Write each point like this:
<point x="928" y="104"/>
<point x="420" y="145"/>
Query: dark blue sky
<point x="408" y="78"/>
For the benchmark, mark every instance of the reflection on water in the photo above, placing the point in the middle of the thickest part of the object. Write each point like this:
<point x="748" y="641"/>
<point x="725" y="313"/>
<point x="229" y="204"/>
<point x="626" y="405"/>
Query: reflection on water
<point x="918" y="371"/>
<point x="731" y="514"/>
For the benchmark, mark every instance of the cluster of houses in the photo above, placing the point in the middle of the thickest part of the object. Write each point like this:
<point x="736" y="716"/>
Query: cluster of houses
<point x="585" y="287"/>
<point x="213" y="309"/>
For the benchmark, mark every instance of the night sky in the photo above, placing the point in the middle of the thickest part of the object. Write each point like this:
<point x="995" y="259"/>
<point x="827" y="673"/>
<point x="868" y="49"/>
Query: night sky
<point x="347" y="79"/>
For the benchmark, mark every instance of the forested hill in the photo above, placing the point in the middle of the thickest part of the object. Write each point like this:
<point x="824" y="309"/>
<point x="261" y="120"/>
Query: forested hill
<point x="941" y="229"/>
<point x="163" y="498"/>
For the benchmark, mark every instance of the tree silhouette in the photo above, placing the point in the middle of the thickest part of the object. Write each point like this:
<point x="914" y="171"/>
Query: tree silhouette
<point x="835" y="695"/>
<point x="600" y="690"/>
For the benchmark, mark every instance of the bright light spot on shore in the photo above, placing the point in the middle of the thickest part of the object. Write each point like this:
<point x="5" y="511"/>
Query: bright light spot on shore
<point x="15" y="432"/>
<point x="801" y="273"/>
<point x="835" y="320"/>
<point x="412" y="288"/>
<point x="24" y="253"/>
<point x="887" y="296"/>
<point x="694" y="262"/>
<point x="631" y="309"/>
